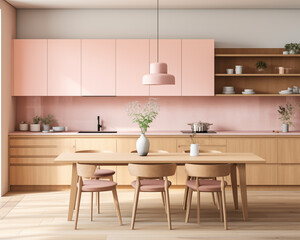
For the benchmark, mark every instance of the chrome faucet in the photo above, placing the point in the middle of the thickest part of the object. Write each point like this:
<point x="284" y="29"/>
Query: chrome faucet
<point x="99" y="125"/>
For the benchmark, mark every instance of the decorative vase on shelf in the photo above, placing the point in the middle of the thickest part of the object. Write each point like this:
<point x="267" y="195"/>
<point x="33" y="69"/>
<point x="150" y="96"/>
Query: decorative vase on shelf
<point x="285" y="127"/>
<point x="142" y="145"/>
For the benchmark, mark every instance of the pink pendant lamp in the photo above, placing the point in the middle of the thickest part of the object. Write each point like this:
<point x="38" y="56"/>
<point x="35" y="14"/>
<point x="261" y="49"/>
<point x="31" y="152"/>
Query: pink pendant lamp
<point x="158" y="71"/>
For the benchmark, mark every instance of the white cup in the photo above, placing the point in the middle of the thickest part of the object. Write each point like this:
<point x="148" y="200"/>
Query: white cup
<point x="238" y="69"/>
<point x="229" y="71"/>
<point x="194" y="150"/>
<point x="281" y="70"/>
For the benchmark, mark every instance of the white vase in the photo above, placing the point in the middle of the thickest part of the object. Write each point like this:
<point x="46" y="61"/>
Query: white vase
<point x="142" y="145"/>
<point x="35" y="127"/>
<point x="285" y="127"/>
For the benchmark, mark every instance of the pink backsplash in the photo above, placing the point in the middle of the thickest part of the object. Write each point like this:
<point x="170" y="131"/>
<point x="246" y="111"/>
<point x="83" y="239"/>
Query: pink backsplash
<point x="226" y="113"/>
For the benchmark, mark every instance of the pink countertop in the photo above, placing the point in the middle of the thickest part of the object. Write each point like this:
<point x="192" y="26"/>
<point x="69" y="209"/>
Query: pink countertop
<point x="158" y="133"/>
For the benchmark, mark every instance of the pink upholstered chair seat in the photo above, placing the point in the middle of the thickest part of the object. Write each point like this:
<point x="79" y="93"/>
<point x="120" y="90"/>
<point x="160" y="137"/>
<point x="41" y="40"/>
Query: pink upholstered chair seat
<point x="103" y="173"/>
<point x="151" y="185"/>
<point x="206" y="185"/>
<point x="97" y="185"/>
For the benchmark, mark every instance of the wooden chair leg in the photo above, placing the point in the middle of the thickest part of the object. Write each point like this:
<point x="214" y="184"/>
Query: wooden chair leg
<point x="163" y="198"/>
<point x="98" y="202"/>
<point x="92" y="194"/>
<point x="76" y="192"/>
<point x="168" y="204"/>
<point x="116" y="201"/>
<point x="213" y="198"/>
<point x="77" y="209"/>
<point x="220" y="206"/>
<point x="198" y="207"/>
<point x="218" y="201"/>
<point x="189" y="203"/>
<point x="224" y="209"/>
<point x="111" y="178"/>
<point x="185" y="196"/>
<point x="135" y="204"/>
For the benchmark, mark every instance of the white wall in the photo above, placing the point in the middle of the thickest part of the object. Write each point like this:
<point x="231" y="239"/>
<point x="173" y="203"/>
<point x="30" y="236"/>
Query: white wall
<point x="8" y="106"/>
<point x="231" y="28"/>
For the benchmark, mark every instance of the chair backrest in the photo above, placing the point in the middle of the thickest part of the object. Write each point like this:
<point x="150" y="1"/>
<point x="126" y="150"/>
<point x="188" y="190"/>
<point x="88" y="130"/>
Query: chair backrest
<point x="94" y="151"/>
<point x="151" y="151"/>
<point x="85" y="170"/>
<point x="152" y="170"/>
<point x="87" y="151"/>
<point x="208" y="170"/>
<point x="204" y="151"/>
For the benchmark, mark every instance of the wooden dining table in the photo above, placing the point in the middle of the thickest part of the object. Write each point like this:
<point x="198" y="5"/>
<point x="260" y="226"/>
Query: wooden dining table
<point x="238" y="161"/>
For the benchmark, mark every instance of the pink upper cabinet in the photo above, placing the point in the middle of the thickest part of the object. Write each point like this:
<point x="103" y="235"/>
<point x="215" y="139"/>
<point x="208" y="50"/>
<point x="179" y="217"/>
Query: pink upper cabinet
<point x="30" y="67"/>
<point x="64" y="67"/>
<point x="198" y="67"/>
<point x="170" y="53"/>
<point x="132" y="62"/>
<point x="98" y="67"/>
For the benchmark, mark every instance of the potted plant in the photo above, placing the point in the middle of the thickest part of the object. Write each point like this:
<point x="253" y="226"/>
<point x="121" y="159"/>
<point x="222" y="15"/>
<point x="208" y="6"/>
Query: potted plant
<point x="47" y="121"/>
<point x="292" y="48"/>
<point x="35" y="125"/>
<point x="261" y="66"/>
<point x="286" y="114"/>
<point x="23" y="126"/>
<point x="143" y="116"/>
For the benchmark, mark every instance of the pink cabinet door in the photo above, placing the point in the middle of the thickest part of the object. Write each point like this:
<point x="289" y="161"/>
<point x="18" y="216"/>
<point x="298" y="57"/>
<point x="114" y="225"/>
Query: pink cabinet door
<point x="170" y="53"/>
<point x="132" y="62"/>
<point x="64" y="67"/>
<point x="98" y="67"/>
<point x="198" y="67"/>
<point x="30" y="67"/>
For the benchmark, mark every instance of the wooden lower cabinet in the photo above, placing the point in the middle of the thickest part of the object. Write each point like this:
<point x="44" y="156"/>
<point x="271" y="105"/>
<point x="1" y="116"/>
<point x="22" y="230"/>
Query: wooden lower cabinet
<point x="40" y="175"/>
<point x="289" y="150"/>
<point x="261" y="174"/>
<point x="263" y="147"/>
<point x="32" y="157"/>
<point x="288" y="174"/>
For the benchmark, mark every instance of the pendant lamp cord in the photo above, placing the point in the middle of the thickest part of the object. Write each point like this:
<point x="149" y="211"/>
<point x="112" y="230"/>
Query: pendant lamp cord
<point x="157" y="30"/>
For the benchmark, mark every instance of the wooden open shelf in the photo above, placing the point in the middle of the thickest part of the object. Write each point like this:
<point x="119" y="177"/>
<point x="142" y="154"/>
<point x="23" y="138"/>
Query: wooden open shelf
<point x="258" y="95"/>
<point x="266" y="83"/>
<point x="258" y="55"/>
<point x="257" y="75"/>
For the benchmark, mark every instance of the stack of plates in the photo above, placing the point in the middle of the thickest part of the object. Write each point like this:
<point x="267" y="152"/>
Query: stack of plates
<point x="228" y="90"/>
<point x="248" y="91"/>
<point x="286" y="92"/>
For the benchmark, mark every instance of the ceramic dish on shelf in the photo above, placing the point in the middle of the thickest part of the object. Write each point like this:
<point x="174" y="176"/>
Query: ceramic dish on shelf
<point x="248" y="91"/>
<point x="58" y="129"/>
<point x="285" y="92"/>
<point x="228" y="92"/>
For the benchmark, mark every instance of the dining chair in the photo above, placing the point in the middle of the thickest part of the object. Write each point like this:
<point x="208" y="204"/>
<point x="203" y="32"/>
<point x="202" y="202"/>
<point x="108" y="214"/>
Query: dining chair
<point x="146" y="182"/>
<point x="86" y="184"/>
<point x="186" y="189"/>
<point x="199" y="171"/>
<point x="156" y="151"/>
<point x="100" y="173"/>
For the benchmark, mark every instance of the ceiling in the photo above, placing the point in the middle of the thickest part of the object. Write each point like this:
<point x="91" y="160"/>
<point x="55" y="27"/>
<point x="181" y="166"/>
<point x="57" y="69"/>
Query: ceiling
<point x="187" y="4"/>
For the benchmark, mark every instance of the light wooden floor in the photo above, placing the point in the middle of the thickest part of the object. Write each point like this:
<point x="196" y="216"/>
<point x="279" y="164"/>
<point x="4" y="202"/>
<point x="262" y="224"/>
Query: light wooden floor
<point x="272" y="215"/>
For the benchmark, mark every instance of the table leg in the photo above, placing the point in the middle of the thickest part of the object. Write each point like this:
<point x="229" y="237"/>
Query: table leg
<point x="72" y="200"/>
<point x="243" y="187"/>
<point x="234" y="186"/>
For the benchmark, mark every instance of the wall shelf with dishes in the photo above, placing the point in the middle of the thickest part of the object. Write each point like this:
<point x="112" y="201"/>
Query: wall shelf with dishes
<point x="256" y="72"/>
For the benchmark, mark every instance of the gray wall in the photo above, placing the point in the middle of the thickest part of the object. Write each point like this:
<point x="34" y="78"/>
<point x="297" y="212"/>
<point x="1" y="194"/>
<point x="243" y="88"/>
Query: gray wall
<point x="231" y="28"/>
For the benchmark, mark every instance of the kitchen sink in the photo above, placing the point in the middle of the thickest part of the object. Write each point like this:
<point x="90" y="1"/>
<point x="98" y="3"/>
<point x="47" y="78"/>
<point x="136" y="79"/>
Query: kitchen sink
<point x="97" y="132"/>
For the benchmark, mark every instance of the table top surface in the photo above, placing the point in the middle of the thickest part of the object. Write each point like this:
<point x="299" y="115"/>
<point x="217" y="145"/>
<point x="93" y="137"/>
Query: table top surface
<point x="178" y="158"/>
